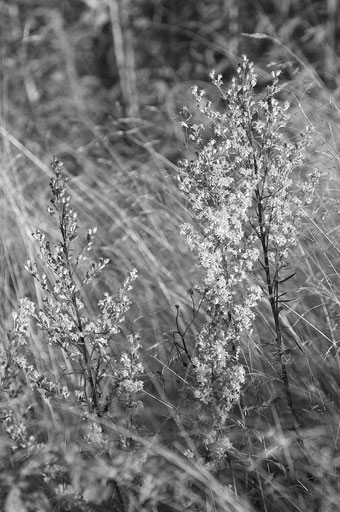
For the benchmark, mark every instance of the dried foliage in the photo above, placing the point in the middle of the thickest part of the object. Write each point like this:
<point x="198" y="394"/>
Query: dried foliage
<point x="119" y="390"/>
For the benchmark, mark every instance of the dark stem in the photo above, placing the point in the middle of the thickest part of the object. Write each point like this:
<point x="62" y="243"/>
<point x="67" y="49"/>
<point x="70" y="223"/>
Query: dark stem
<point x="273" y="295"/>
<point x="82" y="345"/>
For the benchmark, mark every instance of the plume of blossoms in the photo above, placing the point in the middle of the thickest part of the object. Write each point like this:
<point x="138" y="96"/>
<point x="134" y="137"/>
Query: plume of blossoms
<point x="240" y="189"/>
<point x="88" y="344"/>
<point x="105" y="376"/>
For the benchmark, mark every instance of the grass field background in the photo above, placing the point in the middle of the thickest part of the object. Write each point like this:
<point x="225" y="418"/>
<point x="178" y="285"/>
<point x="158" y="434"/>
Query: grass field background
<point x="100" y="84"/>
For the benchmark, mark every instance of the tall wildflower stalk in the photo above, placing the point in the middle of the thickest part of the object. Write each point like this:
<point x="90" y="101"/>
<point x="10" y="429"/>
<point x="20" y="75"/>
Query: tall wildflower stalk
<point x="241" y="190"/>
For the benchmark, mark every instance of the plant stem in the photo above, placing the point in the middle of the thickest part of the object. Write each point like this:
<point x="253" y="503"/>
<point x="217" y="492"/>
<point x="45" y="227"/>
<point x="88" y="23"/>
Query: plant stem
<point x="273" y="295"/>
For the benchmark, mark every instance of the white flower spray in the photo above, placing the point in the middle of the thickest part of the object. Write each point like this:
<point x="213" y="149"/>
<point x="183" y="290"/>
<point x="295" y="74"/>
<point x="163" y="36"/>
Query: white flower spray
<point x="103" y="373"/>
<point x="240" y="189"/>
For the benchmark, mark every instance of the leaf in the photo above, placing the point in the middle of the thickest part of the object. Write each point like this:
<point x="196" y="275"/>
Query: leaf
<point x="286" y="278"/>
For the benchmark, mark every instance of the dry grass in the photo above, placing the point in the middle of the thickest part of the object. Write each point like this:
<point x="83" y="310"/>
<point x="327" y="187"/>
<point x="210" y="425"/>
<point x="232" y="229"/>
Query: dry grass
<point x="123" y="179"/>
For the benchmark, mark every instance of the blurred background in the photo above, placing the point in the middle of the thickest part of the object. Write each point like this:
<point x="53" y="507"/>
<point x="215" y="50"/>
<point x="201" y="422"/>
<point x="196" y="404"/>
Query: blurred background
<point x="100" y="83"/>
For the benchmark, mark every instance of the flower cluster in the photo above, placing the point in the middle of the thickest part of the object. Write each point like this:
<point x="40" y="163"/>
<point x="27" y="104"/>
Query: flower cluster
<point x="239" y="187"/>
<point x="88" y="344"/>
<point x="15" y="373"/>
<point x="130" y="386"/>
<point x="217" y="384"/>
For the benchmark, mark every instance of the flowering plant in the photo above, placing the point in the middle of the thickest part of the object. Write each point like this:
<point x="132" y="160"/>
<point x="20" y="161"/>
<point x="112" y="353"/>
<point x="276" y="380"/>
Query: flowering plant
<point x="97" y="377"/>
<point x="89" y="344"/>
<point x="240" y="189"/>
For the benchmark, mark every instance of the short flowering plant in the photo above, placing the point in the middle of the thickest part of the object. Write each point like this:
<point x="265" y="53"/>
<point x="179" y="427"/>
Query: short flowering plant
<point x="88" y="344"/>
<point x="97" y="376"/>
